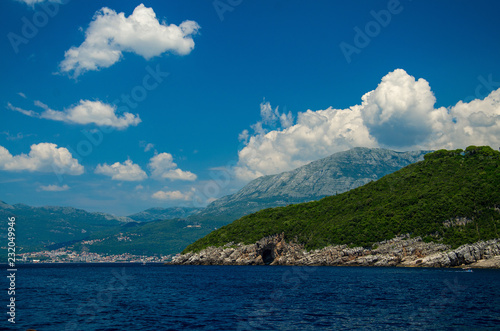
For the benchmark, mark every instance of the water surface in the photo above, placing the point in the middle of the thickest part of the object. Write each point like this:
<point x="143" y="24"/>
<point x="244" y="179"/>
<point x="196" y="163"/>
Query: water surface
<point x="158" y="297"/>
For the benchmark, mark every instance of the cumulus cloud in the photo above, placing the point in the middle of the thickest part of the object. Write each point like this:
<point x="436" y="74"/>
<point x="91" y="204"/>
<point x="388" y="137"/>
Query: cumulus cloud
<point x="85" y="112"/>
<point x="92" y="112"/>
<point x="173" y="195"/>
<point x="314" y="135"/>
<point x="162" y="166"/>
<point x="400" y="111"/>
<point x="399" y="114"/>
<point x="474" y="123"/>
<point x="110" y="34"/>
<point x="127" y="171"/>
<point x="54" y="188"/>
<point x="43" y="157"/>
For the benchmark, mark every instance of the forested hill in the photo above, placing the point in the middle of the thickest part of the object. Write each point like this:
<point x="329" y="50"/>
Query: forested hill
<point x="337" y="173"/>
<point x="451" y="197"/>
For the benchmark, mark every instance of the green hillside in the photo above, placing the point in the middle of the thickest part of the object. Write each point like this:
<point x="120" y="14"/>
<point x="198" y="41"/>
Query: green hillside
<point x="451" y="197"/>
<point x="172" y="229"/>
<point x="41" y="227"/>
<point x="153" y="238"/>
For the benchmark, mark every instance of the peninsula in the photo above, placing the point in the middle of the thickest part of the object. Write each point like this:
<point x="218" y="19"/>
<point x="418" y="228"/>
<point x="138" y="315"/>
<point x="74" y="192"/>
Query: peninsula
<point x="443" y="211"/>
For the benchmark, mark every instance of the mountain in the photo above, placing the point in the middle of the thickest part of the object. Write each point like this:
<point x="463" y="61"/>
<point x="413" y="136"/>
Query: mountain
<point x="53" y="227"/>
<point x="170" y="230"/>
<point x="332" y="175"/>
<point x="154" y="214"/>
<point x="38" y="227"/>
<point x="163" y="237"/>
<point x="335" y="174"/>
<point x="450" y="198"/>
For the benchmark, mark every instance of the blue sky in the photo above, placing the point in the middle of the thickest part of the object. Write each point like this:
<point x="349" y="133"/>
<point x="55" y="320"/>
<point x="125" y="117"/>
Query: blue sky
<point x="119" y="106"/>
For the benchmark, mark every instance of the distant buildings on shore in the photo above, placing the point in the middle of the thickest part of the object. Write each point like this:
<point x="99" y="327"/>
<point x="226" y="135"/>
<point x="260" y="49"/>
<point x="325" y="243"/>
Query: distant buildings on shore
<point x="66" y="256"/>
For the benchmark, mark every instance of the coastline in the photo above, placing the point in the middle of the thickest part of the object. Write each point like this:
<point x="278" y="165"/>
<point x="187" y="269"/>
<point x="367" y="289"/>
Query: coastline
<point x="275" y="251"/>
<point x="397" y="252"/>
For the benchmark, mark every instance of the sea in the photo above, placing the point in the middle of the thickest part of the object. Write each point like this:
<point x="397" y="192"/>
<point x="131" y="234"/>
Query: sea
<point x="166" y="297"/>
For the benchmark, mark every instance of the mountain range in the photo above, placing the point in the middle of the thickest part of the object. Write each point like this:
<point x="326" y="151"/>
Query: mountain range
<point x="452" y="198"/>
<point x="157" y="213"/>
<point x="332" y="175"/>
<point x="169" y="230"/>
<point x="38" y="227"/>
<point x="53" y="226"/>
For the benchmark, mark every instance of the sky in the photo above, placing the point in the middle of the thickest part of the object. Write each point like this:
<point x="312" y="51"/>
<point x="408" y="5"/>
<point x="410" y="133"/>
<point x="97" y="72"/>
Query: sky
<point x="119" y="106"/>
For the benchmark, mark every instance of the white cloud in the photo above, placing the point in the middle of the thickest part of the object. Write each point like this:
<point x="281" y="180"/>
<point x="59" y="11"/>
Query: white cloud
<point x="178" y="174"/>
<point x="398" y="114"/>
<point x="54" y="188"/>
<point x="147" y="146"/>
<point x="127" y="171"/>
<point x="173" y="195"/>
<point x="316" y="134"/>
<point x="22" y="95"/>
<point x="473" y="123"/>
<point x="400" y="111"/>
<point x="18" y="136"/>
<point x="85" y="112"/>
<point x="29" y="113"/>
<point x="244" y="136"/>
<point x="270" y="119"/>
<point x="43" y="157"/>
<point x="110" y="33"/>
<point x="210" y="200"/>
<point x="162" y="166"/>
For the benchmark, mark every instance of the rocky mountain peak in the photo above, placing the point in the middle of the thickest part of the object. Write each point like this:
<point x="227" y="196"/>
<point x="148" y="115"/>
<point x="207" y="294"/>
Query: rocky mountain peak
<point x="332" y="175"/>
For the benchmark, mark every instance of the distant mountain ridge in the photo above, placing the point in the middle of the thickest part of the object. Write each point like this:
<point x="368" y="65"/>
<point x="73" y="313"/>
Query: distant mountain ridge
<point x="337" y="173"/>
<point x="46" y="226"/>
<point x="450" y="198"/>
<point x="332" y="175"/>
<point x="157" y="213"/>
<point x="63" y="210"/>
<point x="169" y="230"/>
<point x="37" y="227"/>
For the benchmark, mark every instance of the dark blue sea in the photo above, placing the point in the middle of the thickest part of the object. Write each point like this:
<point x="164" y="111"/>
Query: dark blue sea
<point x="160" y="297"/>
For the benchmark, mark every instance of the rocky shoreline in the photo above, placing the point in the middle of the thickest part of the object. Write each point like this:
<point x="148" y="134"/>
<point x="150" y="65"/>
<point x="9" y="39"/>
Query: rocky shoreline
<point x="401" y="251"/>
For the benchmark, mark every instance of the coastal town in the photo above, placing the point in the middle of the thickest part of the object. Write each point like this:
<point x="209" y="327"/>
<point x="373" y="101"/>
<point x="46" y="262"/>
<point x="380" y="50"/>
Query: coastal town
<point x="64" y="255"/>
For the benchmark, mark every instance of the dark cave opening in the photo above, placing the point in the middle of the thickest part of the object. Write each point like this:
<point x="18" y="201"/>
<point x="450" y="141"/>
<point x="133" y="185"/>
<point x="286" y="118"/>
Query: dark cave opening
<point x="267" y="256"/>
